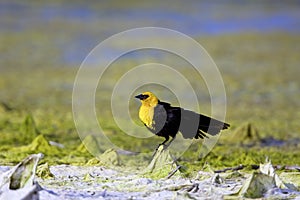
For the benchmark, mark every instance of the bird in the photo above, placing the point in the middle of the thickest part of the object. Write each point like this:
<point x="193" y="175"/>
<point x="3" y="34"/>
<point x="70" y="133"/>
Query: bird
<point x="166" y="121"/>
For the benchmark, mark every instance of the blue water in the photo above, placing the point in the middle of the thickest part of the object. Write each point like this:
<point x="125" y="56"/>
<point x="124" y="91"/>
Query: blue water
<point x="194" y="19"/>
<point x="85" y="25"/>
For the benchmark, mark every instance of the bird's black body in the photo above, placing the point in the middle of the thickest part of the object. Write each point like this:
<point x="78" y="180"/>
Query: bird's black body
<point x="170" y="120"/>
<point x="167" y="121"/>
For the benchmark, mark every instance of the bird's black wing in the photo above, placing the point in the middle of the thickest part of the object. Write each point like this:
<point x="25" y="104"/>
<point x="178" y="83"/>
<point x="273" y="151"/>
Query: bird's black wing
<point x="194" y="125"/>
<point x="169" y="120"/>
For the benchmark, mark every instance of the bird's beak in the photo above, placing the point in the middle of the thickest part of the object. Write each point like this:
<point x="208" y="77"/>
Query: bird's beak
<point x="141" y="96"/>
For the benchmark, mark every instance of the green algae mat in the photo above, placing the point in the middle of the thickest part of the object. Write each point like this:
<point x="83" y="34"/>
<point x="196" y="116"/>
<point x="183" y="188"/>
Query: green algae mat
<point x="260" y="108"/>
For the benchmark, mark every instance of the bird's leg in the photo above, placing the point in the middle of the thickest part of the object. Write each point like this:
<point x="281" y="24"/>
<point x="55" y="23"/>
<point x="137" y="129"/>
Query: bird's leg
<point x="173" y="158"/>
<point x="167" y="145"/>
<point x="163" y="143"/>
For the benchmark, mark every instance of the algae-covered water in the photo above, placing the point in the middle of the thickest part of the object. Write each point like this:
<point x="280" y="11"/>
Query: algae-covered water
<point x="255" y="46"/>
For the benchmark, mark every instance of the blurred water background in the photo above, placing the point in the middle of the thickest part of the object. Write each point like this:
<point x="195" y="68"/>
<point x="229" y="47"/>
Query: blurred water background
<point x="74" y="28"/>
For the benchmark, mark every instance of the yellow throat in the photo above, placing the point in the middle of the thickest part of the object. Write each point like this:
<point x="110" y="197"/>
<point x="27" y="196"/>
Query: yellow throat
<point x="146" y="111"/>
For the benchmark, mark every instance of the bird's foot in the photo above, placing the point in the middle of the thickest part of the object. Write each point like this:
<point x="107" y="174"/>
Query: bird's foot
<point x="165" y="146"/>
<point x="162" y="144"/>
<point x="168" y="144"/>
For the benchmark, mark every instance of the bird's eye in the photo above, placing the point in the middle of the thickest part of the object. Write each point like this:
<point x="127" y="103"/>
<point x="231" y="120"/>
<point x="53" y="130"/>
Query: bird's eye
<point x="145" y="96"/>
<point x="142" y="96"/>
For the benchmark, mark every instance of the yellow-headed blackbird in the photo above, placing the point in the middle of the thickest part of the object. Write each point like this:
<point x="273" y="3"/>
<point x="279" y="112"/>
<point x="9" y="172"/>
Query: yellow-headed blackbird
<point x="164" y="120"/>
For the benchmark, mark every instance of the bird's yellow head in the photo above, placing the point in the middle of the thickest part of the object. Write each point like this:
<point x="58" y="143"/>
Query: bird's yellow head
<point x="147" y="99"/>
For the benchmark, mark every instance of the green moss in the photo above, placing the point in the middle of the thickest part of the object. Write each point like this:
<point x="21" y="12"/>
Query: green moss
<point x="161" y="165"/>
<point x="89" y="144"/>
<point x="87" y="177"/>
<point x="234" y="175"/>
<point x="245" y="135"/>
<point x="39" y="144"/>
<point x="44" y="172"/>
<point x="109" y="158"/>
<point x="94" y="162"/>
<point x="28" y="129"/>
<point x="262" y="94"/>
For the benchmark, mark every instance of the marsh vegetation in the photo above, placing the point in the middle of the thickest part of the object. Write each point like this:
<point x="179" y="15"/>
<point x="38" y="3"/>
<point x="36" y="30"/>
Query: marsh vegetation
<point x="41" y="53"/>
